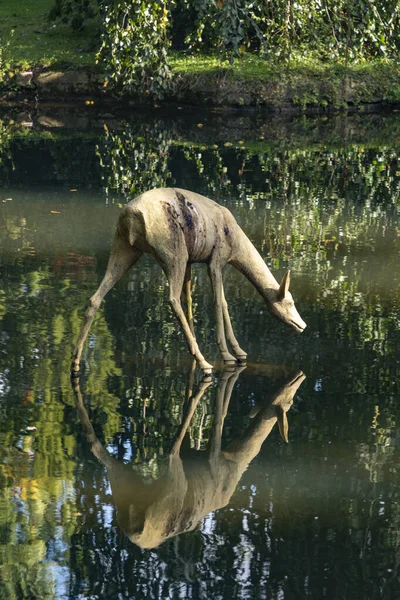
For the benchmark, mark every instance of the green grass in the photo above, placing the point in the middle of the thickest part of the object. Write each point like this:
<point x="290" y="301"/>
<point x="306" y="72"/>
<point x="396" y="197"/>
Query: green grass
<point x="247" y="67"/>
<point x="56" y="46"/>
<point x="308" y="81"/>
<point x="255" y="68"/>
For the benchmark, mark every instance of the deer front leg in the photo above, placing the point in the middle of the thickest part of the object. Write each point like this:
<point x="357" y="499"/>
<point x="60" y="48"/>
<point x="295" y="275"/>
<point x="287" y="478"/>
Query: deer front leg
<point x="239" y="353"/>
<point x="176" y="274"/>
<point x="224" y="392"/>
<point x="214" y="271"/>
<point x="188" y="414"/>
<point x="122" y="257"/>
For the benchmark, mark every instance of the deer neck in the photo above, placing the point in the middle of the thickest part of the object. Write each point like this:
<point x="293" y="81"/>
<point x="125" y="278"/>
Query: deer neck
<point x="244" y="450"/>
<point x="248" y="261"/>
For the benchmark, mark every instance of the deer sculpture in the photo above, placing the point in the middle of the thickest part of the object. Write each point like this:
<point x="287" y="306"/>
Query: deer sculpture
<point x="178" y="228"/>
<point x="195" y="482"/>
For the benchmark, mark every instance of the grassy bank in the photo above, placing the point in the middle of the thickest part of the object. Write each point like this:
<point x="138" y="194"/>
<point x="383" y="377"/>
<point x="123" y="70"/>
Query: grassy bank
<point x="299" y="82"/>
<point x="31" y="41"/>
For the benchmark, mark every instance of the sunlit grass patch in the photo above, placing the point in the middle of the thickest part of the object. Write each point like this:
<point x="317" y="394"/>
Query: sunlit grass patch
<point x="31" y="39"/>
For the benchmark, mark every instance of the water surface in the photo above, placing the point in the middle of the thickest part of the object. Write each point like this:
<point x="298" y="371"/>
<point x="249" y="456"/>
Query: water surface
<point x="91" y="480"/>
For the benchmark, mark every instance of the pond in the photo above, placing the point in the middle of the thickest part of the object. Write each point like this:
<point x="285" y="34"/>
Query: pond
<point x="143" y="480"/>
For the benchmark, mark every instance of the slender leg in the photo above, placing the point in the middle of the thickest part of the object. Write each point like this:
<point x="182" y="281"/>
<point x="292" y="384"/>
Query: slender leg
<point x="95" y="446"/>
<point x="224" y="392"/>
<point x="215" y="274"/>
<point x="193" y="402"/>
<point x="190" y="380"/>
<point x="228" y="391"/>
<point x="239" y="353"/>
<point x="176" y="274"/>
<point x="122" y="257"/>
<point x="188" y="295"/>
<point x="216" y="435"/>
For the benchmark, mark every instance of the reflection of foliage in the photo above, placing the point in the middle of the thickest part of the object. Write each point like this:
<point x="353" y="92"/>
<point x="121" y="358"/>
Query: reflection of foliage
<point x="40" y="313"/>
<point x="58" y="156"/>
<point x="5" y="138"/>
<point x="135" y="160"/>
<point x="145" y="405"/>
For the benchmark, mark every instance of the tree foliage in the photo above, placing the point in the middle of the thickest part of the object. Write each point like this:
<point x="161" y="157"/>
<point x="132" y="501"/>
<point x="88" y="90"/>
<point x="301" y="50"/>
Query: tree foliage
<point x="134" y="46"/>
<point x="136" y="36"/>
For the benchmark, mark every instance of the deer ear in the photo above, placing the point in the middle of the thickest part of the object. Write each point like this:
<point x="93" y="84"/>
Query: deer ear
<point x="284" y="287"/>
<point x="282" y="423"/>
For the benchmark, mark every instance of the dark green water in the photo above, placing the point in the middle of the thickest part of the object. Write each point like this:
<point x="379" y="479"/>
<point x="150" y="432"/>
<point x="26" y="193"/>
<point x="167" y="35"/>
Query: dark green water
<point x="89" y="492"/>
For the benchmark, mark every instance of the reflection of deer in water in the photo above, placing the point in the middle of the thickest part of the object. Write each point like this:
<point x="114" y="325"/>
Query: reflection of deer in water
<point x="180" y="228"/>
<point x="196" y="484"/>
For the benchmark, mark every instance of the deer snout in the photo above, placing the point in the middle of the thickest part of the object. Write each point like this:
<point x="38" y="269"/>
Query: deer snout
<point x="298" y="324"/>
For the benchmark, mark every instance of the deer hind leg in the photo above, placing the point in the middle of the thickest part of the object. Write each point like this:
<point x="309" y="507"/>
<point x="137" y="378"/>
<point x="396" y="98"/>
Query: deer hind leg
<point x="175" y="271"/>
<point x="214" y="271"/>
<point x="122" y="257"/>
<point x="188" y="296"/>
<point x="238" y="352"/>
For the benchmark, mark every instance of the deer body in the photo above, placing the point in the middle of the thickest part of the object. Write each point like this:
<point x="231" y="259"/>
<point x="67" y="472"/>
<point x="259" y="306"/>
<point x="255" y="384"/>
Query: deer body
<point x="178" y="228"/>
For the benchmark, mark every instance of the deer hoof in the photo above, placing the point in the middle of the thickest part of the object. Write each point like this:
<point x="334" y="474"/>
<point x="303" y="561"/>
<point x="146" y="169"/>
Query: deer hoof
<point x="230" y="363"/>
<point x="228" y="358"/>
<point x="206" y="368"/>
<point x="242" y="359"/>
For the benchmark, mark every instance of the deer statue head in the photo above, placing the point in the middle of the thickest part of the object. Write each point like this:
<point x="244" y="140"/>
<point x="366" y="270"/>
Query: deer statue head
<point x="281" y="305"/>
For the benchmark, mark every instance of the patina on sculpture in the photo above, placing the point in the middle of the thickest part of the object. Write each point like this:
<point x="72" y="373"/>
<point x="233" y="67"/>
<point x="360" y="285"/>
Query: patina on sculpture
<point x="178" y="228"/>
<point x="195" y="483"/>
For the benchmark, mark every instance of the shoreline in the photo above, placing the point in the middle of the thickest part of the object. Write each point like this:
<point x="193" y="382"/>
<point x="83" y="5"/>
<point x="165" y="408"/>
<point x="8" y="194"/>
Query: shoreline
<point x="368" y="89"/>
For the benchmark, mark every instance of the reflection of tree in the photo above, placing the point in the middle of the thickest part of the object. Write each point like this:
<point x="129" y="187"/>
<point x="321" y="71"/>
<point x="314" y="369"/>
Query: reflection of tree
<point x="135" y="159"/>
<point x="5" y="139"/>
<point x="39" y="318"/>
